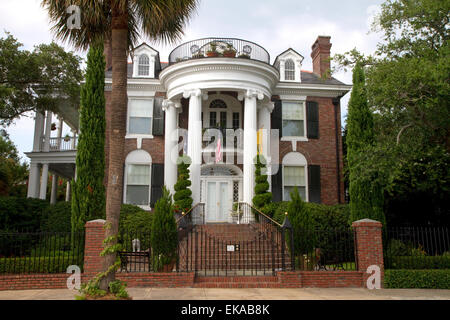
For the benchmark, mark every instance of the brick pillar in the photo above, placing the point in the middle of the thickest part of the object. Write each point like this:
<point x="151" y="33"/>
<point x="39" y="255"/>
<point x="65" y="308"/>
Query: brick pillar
<point x="93" y="246"/>
<point x="369" y="246"/>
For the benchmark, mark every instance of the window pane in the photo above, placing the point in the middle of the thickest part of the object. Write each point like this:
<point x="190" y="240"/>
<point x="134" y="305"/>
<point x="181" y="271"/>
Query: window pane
<point x="143" y="70"/>
<point x="138" y="195"/>
<point x="293" y="111"/>
<point x="288" y="190"/>
<point x="140" y="125"/>
<point x="236" y="122"/>
<point x="289" y="75"/>
<point x="138" y="174"/>
<point x="223" y="119"/>
<point x="294" y="176"/>
<point x="140" y="108"/>
<point x="212" y="119"/>
<point x="293" y="128"/>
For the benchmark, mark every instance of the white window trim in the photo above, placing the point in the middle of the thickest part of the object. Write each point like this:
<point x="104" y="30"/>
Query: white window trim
<point x="137" y="135"/>
<point x="295" y="138"/>
<point x="125" y="183"/>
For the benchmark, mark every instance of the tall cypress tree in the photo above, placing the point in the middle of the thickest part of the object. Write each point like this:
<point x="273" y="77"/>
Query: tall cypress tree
<point x="88" y="200"/>
<point x="366" y="195"/>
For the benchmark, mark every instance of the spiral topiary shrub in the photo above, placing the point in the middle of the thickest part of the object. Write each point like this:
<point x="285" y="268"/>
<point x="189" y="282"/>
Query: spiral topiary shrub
<point x="262" y="196"/>
<point x="183" y="195"/>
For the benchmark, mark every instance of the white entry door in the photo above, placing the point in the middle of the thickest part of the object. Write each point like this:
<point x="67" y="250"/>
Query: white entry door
<point x="218" y="202"/>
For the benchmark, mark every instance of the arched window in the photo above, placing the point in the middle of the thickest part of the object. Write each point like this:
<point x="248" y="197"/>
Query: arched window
<point x="289" y="70"/>
<point x="144" y="65"/>
<point x="294" y="175"/>
<point x="137" y="178"/>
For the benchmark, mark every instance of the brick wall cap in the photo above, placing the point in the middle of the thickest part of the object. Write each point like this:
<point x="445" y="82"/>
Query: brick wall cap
<point x="366" y="222"/>
<point x="98" y="221"/>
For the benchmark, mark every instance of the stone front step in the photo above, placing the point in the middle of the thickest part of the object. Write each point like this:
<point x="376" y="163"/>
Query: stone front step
<point x="237" y="282"/>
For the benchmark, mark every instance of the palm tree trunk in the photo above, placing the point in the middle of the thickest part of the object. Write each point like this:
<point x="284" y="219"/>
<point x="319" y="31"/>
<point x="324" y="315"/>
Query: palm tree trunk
<point x="119" y="39"/>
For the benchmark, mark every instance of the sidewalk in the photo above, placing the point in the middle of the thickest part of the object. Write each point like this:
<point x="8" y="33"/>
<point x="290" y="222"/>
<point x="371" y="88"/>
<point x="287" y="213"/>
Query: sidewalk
<point x="244" y="294"/>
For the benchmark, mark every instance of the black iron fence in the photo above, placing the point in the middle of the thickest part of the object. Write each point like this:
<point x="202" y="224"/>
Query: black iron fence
<point x="136" y="252"/>
<point x="416" y="248"/>
<point x="219" y="47"/>
<point x="32" y="252"/>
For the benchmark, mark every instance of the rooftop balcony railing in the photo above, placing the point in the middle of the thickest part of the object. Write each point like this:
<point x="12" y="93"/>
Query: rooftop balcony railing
<point x="219" y="47"/>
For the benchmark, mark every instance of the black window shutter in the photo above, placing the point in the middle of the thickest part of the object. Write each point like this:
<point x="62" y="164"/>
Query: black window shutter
<point x="314" y="183"/>
<point x="157" y="183"/>
<point x="276" y="120"/>
<point x="158" y="117"/>
<point x="312" y="119"/>
<point x="277" y="185"/>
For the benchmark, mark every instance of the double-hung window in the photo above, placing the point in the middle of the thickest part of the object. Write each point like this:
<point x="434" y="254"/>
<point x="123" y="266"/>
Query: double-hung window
<point x="138" y="184"/>
<point x="140" y="113"/>
<point x="293" y="114"/>
<point x="294" y="176"/>
<point x="144" y="65"/>
<point x="289" y="70"/>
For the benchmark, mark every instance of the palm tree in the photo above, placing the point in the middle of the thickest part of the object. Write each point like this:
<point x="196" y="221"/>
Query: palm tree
<point x="120" y="22"/>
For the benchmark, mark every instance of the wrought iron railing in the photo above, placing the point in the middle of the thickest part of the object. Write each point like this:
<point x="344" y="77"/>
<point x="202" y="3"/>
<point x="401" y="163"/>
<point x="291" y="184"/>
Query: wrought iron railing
<point x="194" y="216"/>
<point x="219" y="47"/>
<point x="39" y="252"/>
<point x="416" y="248"/>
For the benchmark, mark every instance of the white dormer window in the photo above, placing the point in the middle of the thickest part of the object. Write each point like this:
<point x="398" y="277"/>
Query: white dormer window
<point x="289" y="70"/>
<point x="289" y="64"/>
<point x="144" y="65"/>
<point x="145" y="61"/>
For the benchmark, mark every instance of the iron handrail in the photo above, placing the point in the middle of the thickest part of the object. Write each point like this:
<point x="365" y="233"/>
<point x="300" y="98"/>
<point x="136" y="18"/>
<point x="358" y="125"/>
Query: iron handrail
<point x="262" y="213"/>
<point x="184" y="214"/>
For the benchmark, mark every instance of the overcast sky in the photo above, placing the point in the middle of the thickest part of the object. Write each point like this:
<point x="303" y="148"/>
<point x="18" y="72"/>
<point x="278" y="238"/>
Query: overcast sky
<point x="274" y="24"/>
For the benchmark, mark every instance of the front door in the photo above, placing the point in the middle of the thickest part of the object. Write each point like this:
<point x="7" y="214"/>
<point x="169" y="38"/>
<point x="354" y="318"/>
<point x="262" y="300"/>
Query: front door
<point x="218" y="202"/>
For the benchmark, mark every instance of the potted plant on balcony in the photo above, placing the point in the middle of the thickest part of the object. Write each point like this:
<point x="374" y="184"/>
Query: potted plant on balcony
<point x="66" y="138"/>
<point x="212" y="52"/>
<point x="198" y="55"/>
<point x="53" y="127"/>
<point x="229" y="51"/>
<point x="244" y="55"/>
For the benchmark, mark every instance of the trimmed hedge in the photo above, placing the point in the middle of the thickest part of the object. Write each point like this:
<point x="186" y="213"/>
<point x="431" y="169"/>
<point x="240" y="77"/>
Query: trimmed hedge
<point x="57" y="264"/>
<point x="56" y="218"/>
<point x="134" y="219"/>
<point x="417" y="262"/>
<point x="417" y="279"/>
<point x="21" y="213"/>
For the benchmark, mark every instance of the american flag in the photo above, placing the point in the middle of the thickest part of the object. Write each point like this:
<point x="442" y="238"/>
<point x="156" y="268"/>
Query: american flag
<point x="218" y="151"/>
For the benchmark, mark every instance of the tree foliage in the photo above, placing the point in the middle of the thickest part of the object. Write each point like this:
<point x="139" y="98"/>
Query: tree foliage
<point x="88" y="201"/>
<point x="183" y="195"/>
<point x="366" y="193"/>
<point x="407" y="86"/>
<point x="13" y="173"/>
<point x="48" y="78"/>
<point x="164" y="237"/>
<point x="262" y="196"/>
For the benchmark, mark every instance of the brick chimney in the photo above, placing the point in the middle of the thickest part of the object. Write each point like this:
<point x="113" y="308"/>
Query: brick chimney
<point x="320" y="56"/>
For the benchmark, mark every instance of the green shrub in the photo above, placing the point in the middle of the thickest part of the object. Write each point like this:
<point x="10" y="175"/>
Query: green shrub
<point x="57" y="218"/>
<point x="262" y="196"/>
<point x="134" y="219"/>
<point x="301" y="221"/>
<point x="183" y="195"/>
<point x="417" y="262"/>
<point x="417" y="279"/>
<point x="164" y="237"/>
<point x="21" y="213"/>
<point x="52" y="264"/>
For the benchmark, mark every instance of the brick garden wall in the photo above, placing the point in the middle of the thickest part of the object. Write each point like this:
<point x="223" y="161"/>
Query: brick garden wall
<point x="369" y="251"/>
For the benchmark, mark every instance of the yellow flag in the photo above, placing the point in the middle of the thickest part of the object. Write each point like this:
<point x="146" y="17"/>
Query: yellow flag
<point x="259" y="141"/>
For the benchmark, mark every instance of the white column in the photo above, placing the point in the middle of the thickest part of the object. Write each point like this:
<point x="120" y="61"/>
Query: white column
<point x="68" y="191"/>
<point x="195" y="139"/>
<point x="44" y="180"/>
<point x="264" y="112"/>
<point x="170" y="144"/>
<point x="38" y="130"/>
<point x="60" y="127"/>
<point x="33" y="181"/>
<point x="54" y="189"/>
<point x="250" y="142"/>
<point x="48" y="127"/>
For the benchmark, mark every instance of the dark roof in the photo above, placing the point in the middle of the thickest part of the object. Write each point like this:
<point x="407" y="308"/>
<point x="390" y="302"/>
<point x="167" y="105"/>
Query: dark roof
<point x="290" y="49"/>
<point x="307" y="77"/>
<point x="312" y="78"/>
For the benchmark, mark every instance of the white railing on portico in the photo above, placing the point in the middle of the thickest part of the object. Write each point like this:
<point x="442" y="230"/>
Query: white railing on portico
<point x="61" y="144"/>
